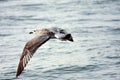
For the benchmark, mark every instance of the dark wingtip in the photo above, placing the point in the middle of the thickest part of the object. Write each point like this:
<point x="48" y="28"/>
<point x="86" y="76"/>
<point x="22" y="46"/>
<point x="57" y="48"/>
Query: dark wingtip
<point x="69" y="37"/>
<point x="71" y="40"/>
<point x="17" y="75"/>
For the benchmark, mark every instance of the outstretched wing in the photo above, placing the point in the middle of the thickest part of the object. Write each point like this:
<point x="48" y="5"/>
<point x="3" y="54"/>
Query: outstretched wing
<point x="28" y="51"/>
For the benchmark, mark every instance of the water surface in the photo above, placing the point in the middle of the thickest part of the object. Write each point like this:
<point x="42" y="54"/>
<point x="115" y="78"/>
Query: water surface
<point x="94" y="54"/>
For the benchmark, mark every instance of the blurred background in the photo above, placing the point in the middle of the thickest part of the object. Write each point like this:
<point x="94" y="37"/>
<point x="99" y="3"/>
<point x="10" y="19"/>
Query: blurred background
<point x="94" y="25"/>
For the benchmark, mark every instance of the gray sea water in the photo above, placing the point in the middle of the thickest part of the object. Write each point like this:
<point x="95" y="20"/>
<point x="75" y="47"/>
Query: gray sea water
<point x="94" y="25"/>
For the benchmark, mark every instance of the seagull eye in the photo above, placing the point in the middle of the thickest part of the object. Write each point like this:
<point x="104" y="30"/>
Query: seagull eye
<point x="62" y="31"/>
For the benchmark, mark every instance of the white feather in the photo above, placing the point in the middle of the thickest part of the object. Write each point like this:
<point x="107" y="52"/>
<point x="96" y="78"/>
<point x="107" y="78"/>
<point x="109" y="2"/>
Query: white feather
<point x="59" y="36"/>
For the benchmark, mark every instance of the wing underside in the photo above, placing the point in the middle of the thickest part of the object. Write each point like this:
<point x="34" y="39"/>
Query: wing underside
<point x="28" y="51"/>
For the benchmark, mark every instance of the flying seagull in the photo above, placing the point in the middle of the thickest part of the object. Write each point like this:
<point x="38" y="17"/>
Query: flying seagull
<point x="42" y="36"/>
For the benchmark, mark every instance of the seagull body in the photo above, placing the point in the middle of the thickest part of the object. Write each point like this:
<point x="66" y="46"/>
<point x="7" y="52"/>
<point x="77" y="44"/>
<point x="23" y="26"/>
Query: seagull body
<point x="42" y="36"/>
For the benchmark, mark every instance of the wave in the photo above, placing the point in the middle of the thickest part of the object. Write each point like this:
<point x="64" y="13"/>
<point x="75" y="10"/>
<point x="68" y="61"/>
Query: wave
<point x="73" y="69"/>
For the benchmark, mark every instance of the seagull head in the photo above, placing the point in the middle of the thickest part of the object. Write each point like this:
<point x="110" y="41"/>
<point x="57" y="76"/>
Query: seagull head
<point x="61" y="34"/>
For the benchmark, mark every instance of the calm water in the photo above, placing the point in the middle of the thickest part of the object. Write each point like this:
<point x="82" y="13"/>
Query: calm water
<point x="94" y="54"/>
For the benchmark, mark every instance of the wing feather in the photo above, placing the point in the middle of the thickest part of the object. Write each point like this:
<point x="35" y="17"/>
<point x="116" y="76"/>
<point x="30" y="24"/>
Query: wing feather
<point x="28" y="51"/>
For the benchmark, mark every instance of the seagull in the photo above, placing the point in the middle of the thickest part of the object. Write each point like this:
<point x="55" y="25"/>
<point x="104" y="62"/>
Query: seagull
<point x="42" y="36"/>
